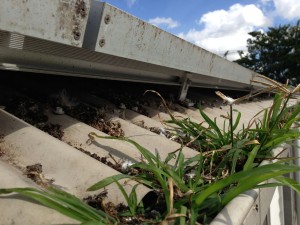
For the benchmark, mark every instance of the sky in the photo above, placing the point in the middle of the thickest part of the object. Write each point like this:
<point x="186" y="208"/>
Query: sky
<point x="216" y="25"/>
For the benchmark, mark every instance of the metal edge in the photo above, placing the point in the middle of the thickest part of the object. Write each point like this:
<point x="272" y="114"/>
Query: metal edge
<point x="93" y="25"/>
<point x="248" y="201"/>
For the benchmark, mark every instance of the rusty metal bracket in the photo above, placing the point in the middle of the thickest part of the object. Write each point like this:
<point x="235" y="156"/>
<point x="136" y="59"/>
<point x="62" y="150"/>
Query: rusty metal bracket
<point x="186" y="82"/>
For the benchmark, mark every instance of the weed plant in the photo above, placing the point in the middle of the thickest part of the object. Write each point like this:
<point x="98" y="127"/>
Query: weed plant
<point x="192" y="191"/>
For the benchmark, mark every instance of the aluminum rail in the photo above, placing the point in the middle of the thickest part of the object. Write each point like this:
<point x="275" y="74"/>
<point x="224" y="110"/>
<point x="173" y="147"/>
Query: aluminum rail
<point x="296" y="151"/>
<point x="252" y="206"/>
<point x="94" y="39"/>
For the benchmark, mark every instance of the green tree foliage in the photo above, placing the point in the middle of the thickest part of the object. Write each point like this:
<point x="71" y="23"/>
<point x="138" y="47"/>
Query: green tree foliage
<point x="275" y="53"/>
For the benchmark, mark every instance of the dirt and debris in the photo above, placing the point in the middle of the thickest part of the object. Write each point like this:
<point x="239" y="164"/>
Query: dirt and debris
<point x="26" y="109"/>
<point x="90" y="115"/>
<point x="35" y="173"/>
<point x="112" y="128"/>
<point x="1" y="152"/>
<point x="32" y="112"/>
<point x="99" y="202"/>
<point x="117" y="165"/>
<point x="52" y="129"/>
<point x="96" y="201"/>
<point x="95" y="117"/>
<point x="161" y="131"/>
<point x="126" y="101"/>
<point x="1" y="140"/>
<point x="94" y="156"/>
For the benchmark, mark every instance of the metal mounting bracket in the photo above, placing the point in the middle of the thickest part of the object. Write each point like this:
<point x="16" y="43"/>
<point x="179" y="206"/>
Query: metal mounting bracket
<point x="186" y="82"/>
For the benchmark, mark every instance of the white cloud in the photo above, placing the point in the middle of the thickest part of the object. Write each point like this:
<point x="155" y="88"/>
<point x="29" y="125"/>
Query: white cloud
<point x="130" y="3"/>
<point x="163" y="21"/>
<point x="227" y="30"/>
<point x="288" y="9"/>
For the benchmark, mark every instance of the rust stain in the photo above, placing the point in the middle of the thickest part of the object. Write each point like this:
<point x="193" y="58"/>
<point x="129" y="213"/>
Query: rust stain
<point x="70" y="16"/>
<point x="80" y="8"/>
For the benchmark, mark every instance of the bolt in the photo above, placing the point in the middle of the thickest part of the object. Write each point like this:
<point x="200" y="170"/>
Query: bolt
<point x="76" y="35"/>
<point x="107" y="19"/>
<point x="59" y="111"/>
<point x="102" y="42"/>
<point x="82" y="12"/>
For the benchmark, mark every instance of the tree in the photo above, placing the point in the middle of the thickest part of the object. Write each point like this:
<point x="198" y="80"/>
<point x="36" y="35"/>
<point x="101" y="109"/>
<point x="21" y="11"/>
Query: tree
<point x="275" y="53"/>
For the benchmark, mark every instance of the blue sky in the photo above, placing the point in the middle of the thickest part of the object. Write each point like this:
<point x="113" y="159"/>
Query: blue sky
<point x="216" y="25"/>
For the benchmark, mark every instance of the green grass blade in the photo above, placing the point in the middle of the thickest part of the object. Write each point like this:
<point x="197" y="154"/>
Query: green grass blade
<point x="161" y="178"/>
<point x="191" y="161"/>
<point x="93" y="223"/>
<point x="170" y="156"/>
<point x="268" y="185"/>
<point x="211" y="123"/>
<point x="292" y="119"/>
<point x="250" y="178"/>
<point x="133" y="200"/>
<point x="109" y="180"/>
<point x="66" y="204"/>
<point x="237" y="121"/>
<point x="183" y="211"/>
<point x="251" y="157"/>
<point x="178" y="180"/>
<point x="252" y="181"/>
<point x="76" y="203"/>
<point x="146" y="153"/>
<point x="264" y="121"/>
<point x="123" y="192"/>
<point x="180" y="168"/>
<point x="199" y="171"/>
<point x="280" y="139"/>
<point x="290" y="183"/>
<point x="235" y="158"/>
<point x="275" y="110"/>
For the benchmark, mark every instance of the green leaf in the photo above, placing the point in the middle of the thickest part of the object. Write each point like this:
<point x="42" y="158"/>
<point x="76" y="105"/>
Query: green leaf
<point x="133" y="200"/>
<point x="246" y="180"/>
<point x="182" y="219"/>
<point x="250" y="181"/>
<point x="293" y="117"/>
<point x="264" y="121"/>
<point x="290" y="183"/>
<point x="283" y="138"/>
<point x="146" y="153"/>
<point x="211" y="123"/>
<point x="109" y="180"/>
<point x="251" y="157"/>
<point x="179" y="165"/>
<point x="123" y="192"/>
<point x="235" y="158"/>
<point x="93" y="223"/>
<point x="275" y="109"/>
<point x="237" y="121"/>
<point x="62" y="202"/>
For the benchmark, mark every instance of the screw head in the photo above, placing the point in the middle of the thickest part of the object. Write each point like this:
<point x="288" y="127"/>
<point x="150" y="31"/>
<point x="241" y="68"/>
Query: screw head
<point x="107" y="19"/>
<point x="101" y="42"/>
<point x="59" y="111"/>
<point x="76" y="35"/>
